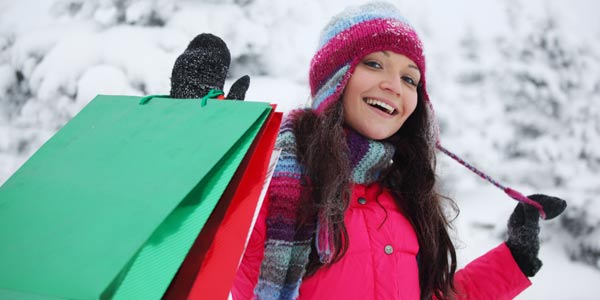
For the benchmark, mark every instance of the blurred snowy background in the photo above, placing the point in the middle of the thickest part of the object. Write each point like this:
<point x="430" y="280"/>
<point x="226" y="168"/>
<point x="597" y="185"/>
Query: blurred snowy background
<point x="515" y="84"/>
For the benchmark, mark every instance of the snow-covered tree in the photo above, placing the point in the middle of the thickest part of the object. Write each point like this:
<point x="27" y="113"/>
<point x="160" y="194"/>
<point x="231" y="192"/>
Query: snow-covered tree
<point x="549" y="99"/>
<point x="540" y="80"/>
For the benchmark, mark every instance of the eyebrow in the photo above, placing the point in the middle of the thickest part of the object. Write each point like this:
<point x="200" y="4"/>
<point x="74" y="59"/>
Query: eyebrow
<point x="414" y="67"/>
<point x="410" y="66"/>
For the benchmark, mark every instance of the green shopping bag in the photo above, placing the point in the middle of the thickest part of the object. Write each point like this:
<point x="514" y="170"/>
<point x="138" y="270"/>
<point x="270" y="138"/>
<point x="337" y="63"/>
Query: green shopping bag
<point x="109" y="206"/>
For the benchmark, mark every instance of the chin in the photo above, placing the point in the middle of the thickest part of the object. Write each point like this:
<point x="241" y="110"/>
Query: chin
<point x="376" y="134"/>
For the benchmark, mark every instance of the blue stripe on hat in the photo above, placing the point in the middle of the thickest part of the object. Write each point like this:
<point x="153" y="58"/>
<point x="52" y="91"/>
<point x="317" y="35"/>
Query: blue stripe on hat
<point x="357" y="15"/>
<point x="329" y="87"/>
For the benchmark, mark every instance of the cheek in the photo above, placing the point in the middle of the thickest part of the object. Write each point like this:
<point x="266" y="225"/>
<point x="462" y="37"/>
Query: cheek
<point x="346" y="105"/>
<point x="411" y="105"/>
<point x="348" y="111"/>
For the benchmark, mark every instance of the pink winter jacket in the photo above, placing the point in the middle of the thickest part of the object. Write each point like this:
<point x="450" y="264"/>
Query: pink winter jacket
<point x="381" y="259"/>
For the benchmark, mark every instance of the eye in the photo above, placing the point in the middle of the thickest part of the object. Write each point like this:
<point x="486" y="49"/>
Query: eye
<point x="373" y="64"/>
<point x="410" y="81"/>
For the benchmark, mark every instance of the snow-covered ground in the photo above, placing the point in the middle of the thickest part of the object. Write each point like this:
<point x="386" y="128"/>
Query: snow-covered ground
<point x="515" y="84"/>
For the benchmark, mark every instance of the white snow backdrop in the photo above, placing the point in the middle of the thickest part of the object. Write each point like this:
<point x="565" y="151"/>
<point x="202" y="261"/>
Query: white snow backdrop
<point x="515" y="85"/>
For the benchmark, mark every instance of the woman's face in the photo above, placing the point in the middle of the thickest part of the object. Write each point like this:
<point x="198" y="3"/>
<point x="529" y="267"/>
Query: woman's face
<point x="381" y="94"/>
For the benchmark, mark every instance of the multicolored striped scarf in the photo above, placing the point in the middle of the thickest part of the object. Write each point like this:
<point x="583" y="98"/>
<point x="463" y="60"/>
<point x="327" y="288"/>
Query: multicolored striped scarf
<point x="288" y="246"/>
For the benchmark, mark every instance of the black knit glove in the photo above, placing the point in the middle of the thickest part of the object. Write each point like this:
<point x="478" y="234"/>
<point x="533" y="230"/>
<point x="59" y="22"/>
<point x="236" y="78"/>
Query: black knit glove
<point x="202" y="67"/>
<point x="523" y="231"/>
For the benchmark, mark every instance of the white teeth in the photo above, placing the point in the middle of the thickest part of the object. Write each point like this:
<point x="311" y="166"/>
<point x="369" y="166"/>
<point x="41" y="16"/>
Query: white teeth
<point x="385" y="106"/>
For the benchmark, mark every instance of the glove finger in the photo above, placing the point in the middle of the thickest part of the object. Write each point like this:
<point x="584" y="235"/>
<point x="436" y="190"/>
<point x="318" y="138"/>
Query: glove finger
<point x="531" y="216"/>
<point x="238" y="88"/>
<point x="524" y="216"/>
<point x="553" y="206"/>
<point x="517" y="218"/>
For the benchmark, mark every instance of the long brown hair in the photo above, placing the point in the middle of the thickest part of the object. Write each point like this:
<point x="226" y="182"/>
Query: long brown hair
<point x="324" y="154"/>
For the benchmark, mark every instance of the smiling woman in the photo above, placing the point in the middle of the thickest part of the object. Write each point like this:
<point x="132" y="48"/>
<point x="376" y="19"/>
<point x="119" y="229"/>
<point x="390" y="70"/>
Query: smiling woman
<point x="381" y="94"/>
<point x="353" y="210"/>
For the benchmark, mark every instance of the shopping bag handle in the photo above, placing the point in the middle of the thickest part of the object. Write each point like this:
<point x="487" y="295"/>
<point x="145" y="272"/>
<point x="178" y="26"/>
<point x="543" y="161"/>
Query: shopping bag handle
<point x="213" y="94"/>
<point x="145" y="99"/>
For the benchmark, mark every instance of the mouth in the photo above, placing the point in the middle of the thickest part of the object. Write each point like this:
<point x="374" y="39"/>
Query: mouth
<point x="382" y="106"/>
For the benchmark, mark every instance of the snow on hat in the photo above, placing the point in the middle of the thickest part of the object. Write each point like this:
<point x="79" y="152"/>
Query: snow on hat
<point x="353" y="34"/>
<point x="359" y="31"/>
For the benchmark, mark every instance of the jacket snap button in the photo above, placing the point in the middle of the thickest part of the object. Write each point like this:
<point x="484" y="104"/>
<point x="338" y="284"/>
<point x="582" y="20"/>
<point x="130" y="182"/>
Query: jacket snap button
<point x="362" y="200"/>
<point x="388" y="249"/>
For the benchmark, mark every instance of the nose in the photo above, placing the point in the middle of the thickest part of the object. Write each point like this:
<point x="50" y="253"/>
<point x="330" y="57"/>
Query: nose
<point x="392" y="84"/>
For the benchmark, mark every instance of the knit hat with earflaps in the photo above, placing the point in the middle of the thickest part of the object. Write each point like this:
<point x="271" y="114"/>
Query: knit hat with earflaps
<point x="359" y="31"/>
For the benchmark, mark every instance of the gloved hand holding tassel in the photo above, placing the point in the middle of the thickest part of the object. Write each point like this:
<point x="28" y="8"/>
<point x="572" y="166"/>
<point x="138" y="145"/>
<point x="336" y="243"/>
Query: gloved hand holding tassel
<point x="523" y="231"/>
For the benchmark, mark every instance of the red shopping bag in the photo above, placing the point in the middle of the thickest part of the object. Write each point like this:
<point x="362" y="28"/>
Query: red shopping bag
<point x="209" y="269"/>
